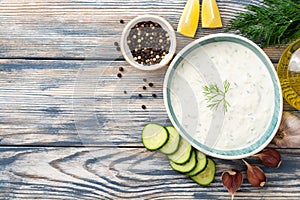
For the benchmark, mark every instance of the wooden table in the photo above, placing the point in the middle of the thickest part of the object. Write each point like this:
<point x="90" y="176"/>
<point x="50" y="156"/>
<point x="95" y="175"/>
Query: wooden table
<point x="67" y="128"/>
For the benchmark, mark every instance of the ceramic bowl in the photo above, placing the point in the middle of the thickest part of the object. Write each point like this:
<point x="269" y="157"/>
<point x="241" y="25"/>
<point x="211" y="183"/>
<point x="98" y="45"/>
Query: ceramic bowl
<point x="223" y="95"/>
<point x="164" y="26"/>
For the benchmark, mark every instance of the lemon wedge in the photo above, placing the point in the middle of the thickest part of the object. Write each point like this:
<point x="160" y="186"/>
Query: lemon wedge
<point x="210" y="15"/>
<point x="189" y="19"/>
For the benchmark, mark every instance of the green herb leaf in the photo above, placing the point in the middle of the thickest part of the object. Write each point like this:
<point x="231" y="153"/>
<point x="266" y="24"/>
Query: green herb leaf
<point x="275" y="22"/>
<point x="216" y="97"/>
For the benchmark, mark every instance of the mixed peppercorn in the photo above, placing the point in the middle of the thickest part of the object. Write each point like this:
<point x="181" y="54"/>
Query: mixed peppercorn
<point x="148" y="42"/>
<point x="153" y="50"/>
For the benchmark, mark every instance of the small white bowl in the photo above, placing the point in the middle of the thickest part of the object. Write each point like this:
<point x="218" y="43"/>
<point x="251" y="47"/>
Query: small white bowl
<point x="164" y="25"/>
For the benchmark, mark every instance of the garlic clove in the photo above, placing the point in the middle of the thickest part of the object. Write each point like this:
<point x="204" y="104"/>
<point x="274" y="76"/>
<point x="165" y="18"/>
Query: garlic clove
<point x="232" y="181"/>
<point x="288" y="134"/>
<point x="270" y="157"/>
<point x="255" y="175"/>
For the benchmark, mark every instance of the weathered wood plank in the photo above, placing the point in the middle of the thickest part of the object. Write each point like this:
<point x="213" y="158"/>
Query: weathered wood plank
<point x="77" y="102"/>
<point x="88" y="29"/>
<point x="69" y="102"/>
<point x="121" y="173"/>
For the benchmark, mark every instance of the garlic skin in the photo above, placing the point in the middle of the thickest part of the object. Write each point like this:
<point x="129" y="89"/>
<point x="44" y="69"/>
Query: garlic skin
<point x="232" y="181"/>
<point x="255" y="175"/>
<point x="270" y="157"/>
<point x="288" y="134"/>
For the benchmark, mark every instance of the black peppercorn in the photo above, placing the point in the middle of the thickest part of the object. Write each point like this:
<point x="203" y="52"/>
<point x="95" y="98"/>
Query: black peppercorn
<point x="119" y="75"/>
<point x="150" y="84"/>
<point x="144" y="88"/>
<point x="140" y="95"/>
<point x="116" y="44"/>
<point x="122" y="21"/>
<point x="148" y="43"/>
<point x="121" y="69"/>
<point x="154" y="95"/>
<point x="144" y="107"/>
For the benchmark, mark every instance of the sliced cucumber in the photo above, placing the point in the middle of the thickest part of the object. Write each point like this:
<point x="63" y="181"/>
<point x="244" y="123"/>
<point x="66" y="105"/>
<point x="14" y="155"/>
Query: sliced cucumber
<point x="173" y="143"/>
<point x="201" y="163"/>
<point x="154" y="136"/>
<point x="187" y="167"/>
<point x="207" y="175"/>
<point x="183" y="153"/>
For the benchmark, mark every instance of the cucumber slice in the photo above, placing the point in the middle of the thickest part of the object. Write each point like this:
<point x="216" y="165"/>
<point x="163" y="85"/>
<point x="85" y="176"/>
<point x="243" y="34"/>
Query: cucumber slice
<point x="201" y="164"/>
<point x="183" y="153"/>
<point x="187" y="167"/>
<point x="207" y="175"/>
<point x="154" y="136"/>
<point x="173" y="143"/>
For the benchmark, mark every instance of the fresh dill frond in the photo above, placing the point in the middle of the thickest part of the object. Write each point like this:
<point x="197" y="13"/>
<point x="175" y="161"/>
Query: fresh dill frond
<point x="274" y="22"/>
<point x="216" y="96"/>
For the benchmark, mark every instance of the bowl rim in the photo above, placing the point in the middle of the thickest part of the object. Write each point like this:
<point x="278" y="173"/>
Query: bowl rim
<point x="165" y="25"/>
<point x="278" y="105"/>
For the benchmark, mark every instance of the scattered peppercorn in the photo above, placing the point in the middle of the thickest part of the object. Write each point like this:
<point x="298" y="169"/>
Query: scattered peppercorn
<point x="148" y="42"/>
<point x="150" y="84"/>
<point x="116" y="44"/>
<point x="140" y="95"/>
<point x="125" y="92"/>
<point x="119" y="75"/>
<point x="122" y="21"/>
<point x="144" y="79"/>
<point x="154" y="95"/>
<point x="144" y="88"/>
<point x="144" y="107"/>
<point x="121" y="69"/>
<point x="118" y="48"/>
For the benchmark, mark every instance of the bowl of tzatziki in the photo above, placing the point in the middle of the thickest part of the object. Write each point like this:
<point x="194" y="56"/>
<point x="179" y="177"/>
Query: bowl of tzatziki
<point x="223" y="95"/>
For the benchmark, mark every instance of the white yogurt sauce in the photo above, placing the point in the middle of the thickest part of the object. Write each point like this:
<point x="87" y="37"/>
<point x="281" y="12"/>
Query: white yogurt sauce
<point x="251" y="95"/>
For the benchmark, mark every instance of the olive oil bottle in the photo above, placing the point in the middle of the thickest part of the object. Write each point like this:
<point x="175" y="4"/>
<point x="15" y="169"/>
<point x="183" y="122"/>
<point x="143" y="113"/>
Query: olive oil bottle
<point x="288" y="71"/>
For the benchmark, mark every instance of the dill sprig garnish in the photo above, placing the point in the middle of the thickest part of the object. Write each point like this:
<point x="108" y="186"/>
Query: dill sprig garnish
<point x="274" y="22"/>
<point x="215" y="96"/>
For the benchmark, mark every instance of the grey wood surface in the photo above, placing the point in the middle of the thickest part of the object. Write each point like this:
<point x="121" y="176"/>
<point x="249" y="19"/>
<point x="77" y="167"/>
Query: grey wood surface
<point x="68" y="130"/>
<point x="87" y="29"/>
<point x="126" y="173"/>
